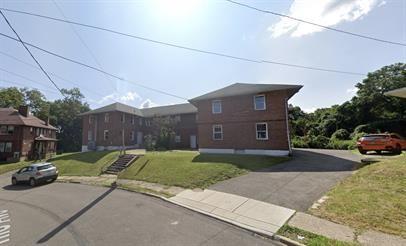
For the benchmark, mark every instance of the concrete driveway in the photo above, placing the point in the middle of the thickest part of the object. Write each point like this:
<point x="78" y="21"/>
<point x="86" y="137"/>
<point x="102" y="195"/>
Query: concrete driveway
<point x="74" y="214"/>
<point x="297" y="183"/>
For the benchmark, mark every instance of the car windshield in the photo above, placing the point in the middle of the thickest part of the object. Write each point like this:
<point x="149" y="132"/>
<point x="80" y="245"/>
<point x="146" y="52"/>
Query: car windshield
<point x="44" y="167"/>
<point x="374" y="137"/>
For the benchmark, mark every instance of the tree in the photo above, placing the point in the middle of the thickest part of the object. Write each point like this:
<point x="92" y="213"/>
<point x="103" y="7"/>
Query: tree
<point x="65" y="115"/>
<point x="37" y="103"/>
<point x="11" y="97"/>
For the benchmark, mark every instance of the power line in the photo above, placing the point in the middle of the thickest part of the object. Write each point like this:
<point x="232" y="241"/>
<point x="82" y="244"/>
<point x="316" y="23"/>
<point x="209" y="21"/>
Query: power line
<point x="20" y="84"/>
<point x="28" y="50"/>
<point x="185" y="47"/>
<point x="54" y="74"/>
<point x="315" y="24"/>
<point x="93" y="68"/>
<point x="21" y="76"/>
<point x="83" y="42"/>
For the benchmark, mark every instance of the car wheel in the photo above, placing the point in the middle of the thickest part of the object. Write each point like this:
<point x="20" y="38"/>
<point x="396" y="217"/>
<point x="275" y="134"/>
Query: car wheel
<point x="32" y="182"/>
<point x="13" y="181"/>
<point x="362" y="151"/>
<point x="398" y="150"/>
<point x="379" y="152"/>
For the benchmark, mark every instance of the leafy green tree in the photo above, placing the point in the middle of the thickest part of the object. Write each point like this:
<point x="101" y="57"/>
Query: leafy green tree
<point x="11" y="97"/>
<point x="37" y="102"/>
<point x="65" y="115"/>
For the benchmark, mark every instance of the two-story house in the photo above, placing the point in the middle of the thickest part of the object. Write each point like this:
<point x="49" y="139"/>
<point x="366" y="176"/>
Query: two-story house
<point x="24" y="136"/>
<point x="117" y="125"/>
<point x="240" y="118"/>
<point x="245" y="119"/>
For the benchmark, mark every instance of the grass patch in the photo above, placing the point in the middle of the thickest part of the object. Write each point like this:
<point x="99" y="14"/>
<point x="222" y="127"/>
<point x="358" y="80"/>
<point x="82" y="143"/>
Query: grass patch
<point x="84" y="164"/>
<point x="373" y="198"/>
<point x="189" y="169"/>
<point x="7" y="167"/>
<point x="309" y="238"/>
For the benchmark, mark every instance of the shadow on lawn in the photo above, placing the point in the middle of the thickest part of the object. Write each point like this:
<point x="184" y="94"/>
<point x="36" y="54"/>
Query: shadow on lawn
<point x="302" y="160"/>
<point x="249" y="162"/>
<point x="89" y="157"/>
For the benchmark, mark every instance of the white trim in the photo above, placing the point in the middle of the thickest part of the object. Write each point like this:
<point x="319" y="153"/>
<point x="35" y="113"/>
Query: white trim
<point x="212" y="107"/>
<point x="214" y="126"/>
<point x="256" y="131"/>
<point x="216" y="151"/>
<point x="287" y="125"/>
<point x="255" y="105"/>
<point x="269" y="152"/>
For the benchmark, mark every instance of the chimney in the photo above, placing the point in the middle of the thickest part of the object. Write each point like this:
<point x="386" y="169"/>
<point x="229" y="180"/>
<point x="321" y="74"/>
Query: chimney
<point x="24" y="110"/>
<point x="47" y="122"/>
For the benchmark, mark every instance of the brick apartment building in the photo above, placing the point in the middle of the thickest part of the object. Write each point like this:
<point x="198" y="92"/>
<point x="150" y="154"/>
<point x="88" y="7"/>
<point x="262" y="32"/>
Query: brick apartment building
<point x="24" y="136"/>
<point x="240" y="118"/>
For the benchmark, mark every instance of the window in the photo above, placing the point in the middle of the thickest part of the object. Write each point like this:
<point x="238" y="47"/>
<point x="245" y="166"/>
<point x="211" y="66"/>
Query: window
<point x="89" y="135"/>
<point x="91" y="119"/>
<point x="2" y="145"/>
<point x="37" y="131"/>
<point x="132" y="135"/>
<point x="217" y="132"/>
<point x="177" y="139"/>
<point x="133" y="120"/>
<point x="262" y="131"/>
<point x="31" y="129"/>
<point x="8" y="147"/>
<point x="6" y="130"/>
<point x="259" y="102"/>
<point x="140" y="121"/>
<point x="106" y="134"/>
<point x="147" y="123"/>
<point x="122" y="118"/>
<point x="106" y="117"/>
<point x="216" y="107"/>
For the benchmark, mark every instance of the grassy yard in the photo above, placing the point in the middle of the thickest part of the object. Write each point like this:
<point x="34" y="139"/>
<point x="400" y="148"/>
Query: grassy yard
<point x="75" y="164"/>
<point x="190" y="169"/>
<point x="309" y="238"/>
<point x="373" y="198"/>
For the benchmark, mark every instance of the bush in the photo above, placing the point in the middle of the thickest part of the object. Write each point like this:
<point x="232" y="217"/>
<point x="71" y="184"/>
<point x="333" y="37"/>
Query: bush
<point x="341" y="144"/>
<point x="319" y="142"/>
<point x="300" y="142"/>
<point x="341" y="134"/>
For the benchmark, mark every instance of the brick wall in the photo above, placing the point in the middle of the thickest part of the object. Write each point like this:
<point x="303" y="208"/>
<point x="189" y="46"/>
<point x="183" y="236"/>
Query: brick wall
<point x="238" y="119"/>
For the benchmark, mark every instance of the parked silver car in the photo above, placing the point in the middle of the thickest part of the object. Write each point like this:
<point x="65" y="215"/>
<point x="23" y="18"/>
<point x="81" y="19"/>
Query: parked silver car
<point x="35" y="173"/>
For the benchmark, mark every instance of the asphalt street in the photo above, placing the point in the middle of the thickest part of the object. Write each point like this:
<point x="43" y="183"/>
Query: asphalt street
<point x="74" y="214"/>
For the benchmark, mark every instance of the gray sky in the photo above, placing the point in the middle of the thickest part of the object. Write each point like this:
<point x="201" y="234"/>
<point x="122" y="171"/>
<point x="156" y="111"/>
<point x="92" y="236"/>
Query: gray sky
<point x="213" y="25"/>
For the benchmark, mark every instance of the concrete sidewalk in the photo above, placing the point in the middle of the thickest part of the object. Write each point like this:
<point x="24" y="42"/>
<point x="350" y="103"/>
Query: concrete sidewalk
<point x="260" y="217"/>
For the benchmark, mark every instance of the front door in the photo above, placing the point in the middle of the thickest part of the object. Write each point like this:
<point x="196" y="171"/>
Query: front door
<point x="193" y="142"/>
<point x="139" y="138"/>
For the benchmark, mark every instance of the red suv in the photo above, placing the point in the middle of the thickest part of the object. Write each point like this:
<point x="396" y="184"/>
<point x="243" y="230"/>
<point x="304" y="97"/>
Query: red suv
<point x="381" y="142"/>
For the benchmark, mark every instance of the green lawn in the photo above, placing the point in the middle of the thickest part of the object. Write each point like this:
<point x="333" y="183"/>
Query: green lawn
<point x="75" y="164"/>
<point x="84" y="164"/>
<point x="189" y="169"/>
<point x="373" y="198"/>
<point x="309" y="238"/>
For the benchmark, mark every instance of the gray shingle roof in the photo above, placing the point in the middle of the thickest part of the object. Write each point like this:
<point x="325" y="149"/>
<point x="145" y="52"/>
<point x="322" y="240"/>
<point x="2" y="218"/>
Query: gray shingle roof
<point x="184" y="108"/>
<point x="238" y="89"/>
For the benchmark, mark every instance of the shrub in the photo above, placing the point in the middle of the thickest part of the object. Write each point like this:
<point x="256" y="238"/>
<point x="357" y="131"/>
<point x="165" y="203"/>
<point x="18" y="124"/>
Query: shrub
<point x="341" y="144"/>
<point x="341" y="134"/>
<point x="319" y="142"/>
<point x="300" y="142"/>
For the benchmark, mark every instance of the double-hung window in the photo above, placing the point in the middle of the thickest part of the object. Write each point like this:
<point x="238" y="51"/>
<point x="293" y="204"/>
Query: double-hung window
<point x="123" y="118"/>
<point x="106" y="134"/>
<point x="217" y="132"/>
<point x="89" y="135"/>
<point x="106" y="117"/>
<point x="177" y="139"/>
<point x="261" y="131"/>
<point x="259" y="102"/>
<point x="132" y="135"/>
<point x="216" y="107"/>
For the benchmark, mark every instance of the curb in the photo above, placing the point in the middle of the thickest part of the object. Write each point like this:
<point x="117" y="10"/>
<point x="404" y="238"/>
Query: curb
<point x="287" y="241"/>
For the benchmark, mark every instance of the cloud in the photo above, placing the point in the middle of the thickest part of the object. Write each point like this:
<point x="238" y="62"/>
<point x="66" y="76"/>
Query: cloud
<point x="130" y="96"/>
<point x="352" y="91"/>
<point x="328" y="13"/>
<point x="148" y="104"/>
<point x="309" y="110"/>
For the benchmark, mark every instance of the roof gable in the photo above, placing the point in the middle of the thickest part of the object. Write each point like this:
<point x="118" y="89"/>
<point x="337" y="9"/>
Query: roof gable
<point x="10" y="116"/>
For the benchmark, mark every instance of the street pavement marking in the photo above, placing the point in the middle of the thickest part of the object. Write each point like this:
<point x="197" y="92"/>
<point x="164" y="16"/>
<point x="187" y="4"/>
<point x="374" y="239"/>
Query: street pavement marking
<point x="4" y="226"/>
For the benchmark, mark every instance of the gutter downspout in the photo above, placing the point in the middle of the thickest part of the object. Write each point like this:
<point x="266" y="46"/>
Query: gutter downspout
<point x="287" y="125"/>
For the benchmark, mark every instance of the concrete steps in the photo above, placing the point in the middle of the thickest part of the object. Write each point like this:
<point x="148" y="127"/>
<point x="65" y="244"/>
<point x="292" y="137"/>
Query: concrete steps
<point x="121" y="163"/>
